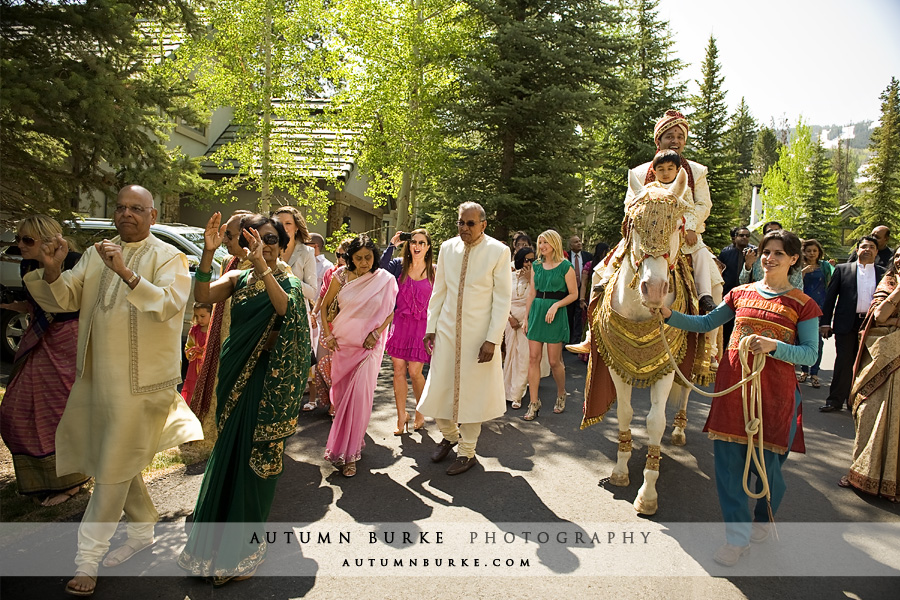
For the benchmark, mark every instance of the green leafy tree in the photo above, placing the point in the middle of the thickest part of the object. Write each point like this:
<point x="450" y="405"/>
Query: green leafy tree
<point x="819" y="216"/>
<point x="786" y="185"/>
<point x="880" y="198"/>
<point x="84" y="106"/>
<point x="709" y="126"/>
<point x="398" y="72"/>
<point x="625" y="139"/>
<point x="268" y="62"/>
<point x="542" y="73"/>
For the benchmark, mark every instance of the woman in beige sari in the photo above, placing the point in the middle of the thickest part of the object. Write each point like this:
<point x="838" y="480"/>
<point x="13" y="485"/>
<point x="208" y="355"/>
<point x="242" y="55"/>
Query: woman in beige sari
<point x="876" y="394"/>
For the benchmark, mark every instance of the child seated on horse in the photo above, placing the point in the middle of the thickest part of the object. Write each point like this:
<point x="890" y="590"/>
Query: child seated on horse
<point x="665" y="166"/>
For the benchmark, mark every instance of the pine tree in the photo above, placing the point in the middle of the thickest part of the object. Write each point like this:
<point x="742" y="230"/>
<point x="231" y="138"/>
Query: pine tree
<point x="83" y="107"/>
<point x="841" y="165"/>
<point x="819" y="216"/>
<point x="740" y="140"/>
<point x="880" y="198"/>
<point x="709" y="124"/>
<point x="765" y="154"/>
<point x="626" y="140"/>
<point x="542" y="74"/>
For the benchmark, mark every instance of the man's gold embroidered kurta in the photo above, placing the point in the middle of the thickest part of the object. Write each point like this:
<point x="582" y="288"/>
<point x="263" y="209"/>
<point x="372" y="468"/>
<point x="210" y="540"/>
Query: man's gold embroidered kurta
<point x="124" y="406"/>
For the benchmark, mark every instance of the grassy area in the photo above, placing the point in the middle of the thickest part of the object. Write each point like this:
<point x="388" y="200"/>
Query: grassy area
<point x="14" y="507"/>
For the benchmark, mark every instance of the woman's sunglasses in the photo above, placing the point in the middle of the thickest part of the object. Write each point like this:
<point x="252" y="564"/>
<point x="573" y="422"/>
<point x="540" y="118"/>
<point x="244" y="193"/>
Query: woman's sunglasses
<point x="26" y="239"/>
<point x="270" y="239"/>
<point x="529" y="260"/>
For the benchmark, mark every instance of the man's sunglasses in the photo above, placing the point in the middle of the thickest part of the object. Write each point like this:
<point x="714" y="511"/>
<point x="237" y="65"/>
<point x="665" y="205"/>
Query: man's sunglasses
<point x="469" y="224"/>
<point x="27" y="240"/>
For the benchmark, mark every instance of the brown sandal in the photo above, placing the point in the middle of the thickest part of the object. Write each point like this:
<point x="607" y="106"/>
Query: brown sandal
<point x="844" y="482"/>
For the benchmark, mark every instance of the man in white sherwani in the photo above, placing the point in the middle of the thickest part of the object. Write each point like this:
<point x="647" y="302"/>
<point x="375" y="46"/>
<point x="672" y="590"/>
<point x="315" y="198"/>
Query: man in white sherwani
<point x="467" y="315"/>
<point x="124" y="406"/>
<point x="670" y="133"/>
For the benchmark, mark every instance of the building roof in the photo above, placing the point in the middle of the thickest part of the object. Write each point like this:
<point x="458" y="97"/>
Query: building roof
<point x="317" y="151"/>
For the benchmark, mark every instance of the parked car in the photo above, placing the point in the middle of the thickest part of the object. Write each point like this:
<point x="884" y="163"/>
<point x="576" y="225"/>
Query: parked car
<point x="187" y="239"/>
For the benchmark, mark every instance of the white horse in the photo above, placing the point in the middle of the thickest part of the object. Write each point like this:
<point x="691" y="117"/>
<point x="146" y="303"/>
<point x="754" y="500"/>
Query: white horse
<point x="649" y="271"/>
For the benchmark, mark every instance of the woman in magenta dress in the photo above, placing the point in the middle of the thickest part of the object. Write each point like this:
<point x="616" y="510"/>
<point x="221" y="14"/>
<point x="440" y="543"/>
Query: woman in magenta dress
<point x="415" y="279"/>
<point x="366" y="295"/>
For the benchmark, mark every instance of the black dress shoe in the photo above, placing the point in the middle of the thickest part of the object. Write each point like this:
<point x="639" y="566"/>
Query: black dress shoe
<point x="441" y="452"/>
<point x="461" y="465"/>
<point x="829" y="408"/>
<point x="707" y="304"/>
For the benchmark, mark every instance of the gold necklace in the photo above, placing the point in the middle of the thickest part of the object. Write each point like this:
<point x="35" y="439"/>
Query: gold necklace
<point x="520" y="291"/>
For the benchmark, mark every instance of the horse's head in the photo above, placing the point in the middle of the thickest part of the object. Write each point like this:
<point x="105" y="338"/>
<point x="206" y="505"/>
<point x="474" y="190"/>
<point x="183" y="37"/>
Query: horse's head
<point x="654" y="223"/>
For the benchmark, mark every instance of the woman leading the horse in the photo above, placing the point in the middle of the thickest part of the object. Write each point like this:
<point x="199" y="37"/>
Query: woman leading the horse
<point x="781" y="322"/>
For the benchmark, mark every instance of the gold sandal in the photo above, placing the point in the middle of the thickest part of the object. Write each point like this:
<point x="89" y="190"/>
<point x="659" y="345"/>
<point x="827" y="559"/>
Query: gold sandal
<point x="533" y="410"/>
<point x="560" y="404"/>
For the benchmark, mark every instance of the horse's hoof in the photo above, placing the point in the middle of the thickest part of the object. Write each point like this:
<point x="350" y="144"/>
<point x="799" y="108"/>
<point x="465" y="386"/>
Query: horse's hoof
<point x="620" y="480"/>
<point x="678" y="439"/>
<point x="647" y="507"/>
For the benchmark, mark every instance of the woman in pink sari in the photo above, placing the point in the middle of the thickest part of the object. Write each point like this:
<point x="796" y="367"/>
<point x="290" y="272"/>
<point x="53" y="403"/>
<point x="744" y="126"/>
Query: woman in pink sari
<point x="365" y="295"/>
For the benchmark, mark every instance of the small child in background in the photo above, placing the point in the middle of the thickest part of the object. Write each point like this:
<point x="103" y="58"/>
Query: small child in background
<point x="195" y="347"/>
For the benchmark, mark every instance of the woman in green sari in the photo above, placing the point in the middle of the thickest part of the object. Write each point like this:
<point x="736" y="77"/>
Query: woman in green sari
<point x="262" y="372"/>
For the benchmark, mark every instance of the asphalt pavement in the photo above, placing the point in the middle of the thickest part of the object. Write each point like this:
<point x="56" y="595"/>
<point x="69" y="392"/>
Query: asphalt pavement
<point x="544" y="475"/>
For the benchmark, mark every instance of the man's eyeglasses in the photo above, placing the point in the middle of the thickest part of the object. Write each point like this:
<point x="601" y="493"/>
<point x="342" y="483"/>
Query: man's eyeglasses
<point x="228" y="235"/>
<point x="469" y="224"/>
<point x="137" y="210"/>
<point x="27" y="240"/>
<point x="742" y="235"/>
<point x="419" y="242"/>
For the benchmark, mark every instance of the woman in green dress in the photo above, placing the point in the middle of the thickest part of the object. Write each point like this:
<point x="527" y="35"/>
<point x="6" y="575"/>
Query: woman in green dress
<point x="553" y="287"/>
<point x="262" y="373"/>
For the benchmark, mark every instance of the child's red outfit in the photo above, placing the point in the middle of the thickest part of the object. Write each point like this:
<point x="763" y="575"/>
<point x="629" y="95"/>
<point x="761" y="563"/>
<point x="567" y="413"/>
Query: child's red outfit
<point x="194" y="350"/>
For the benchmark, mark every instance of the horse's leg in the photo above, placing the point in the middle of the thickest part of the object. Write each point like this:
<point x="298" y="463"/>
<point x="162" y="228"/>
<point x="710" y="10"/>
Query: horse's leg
<point x="681" y="393"/>
<point x="624" y="414"/>
<point x="646" y="501"/>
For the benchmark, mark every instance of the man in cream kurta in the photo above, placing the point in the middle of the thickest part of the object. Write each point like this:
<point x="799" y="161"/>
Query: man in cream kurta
<point x="124" y="406"/>
<point x="467" y="315"/>
<point x="670" y="133"/>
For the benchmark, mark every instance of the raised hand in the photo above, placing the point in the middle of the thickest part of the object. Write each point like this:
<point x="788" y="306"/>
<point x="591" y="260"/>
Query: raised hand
<point x="253" y="252"/>
<point x="111" y="254"/>
<point x="54" y="252"/>
<point x="215" y="232"/>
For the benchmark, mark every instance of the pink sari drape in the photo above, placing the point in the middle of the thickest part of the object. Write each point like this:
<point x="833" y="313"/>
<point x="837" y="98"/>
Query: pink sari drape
<point x="364" y="305"/>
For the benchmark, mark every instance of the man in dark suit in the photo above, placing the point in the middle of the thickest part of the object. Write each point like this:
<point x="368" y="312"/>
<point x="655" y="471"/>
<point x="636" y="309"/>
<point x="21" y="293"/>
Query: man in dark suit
<point x="733" y="258"/>
<point x="846" y="301"/>
<point x="578" y="258"/>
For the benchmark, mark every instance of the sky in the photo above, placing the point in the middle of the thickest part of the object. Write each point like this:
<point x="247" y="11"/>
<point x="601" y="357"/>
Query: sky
<point x="827" y="60"/>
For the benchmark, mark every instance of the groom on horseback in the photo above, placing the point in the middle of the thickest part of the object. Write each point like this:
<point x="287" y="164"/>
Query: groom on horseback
<point x="670" y="133"/>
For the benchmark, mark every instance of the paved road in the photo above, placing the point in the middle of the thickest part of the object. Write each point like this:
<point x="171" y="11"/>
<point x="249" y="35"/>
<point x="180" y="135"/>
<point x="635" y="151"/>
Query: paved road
<point x="535" y="475"/>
